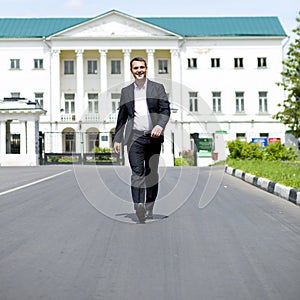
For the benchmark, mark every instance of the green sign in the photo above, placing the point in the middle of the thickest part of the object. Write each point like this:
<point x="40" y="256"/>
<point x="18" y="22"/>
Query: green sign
<point x="205" y="144"/>
<point x="221" y="131"/>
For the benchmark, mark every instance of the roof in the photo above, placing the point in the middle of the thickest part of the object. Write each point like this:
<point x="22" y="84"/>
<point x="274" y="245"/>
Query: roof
<point x="183" y="26"/>
<point x="220" y="26"/>
<point x="35" y="27"/>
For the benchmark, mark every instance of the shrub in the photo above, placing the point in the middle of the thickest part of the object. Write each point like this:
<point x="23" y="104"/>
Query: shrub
<point x="187" y="159"/>
<point x="278" y="151"/>
<point x="101" y="150"/>
<point x="188" y="155"/>
<point x="252" y="151"/>
<point x="243" y="150"/>
<point x="235" y="149"/>
<point x="180" y="162"/>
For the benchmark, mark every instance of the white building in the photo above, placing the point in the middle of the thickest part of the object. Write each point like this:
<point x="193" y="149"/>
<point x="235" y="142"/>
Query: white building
<point x="220" y="74"/>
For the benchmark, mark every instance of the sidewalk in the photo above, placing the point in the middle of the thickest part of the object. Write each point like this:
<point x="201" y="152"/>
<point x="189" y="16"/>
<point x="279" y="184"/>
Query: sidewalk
<point x="278" y="189"/>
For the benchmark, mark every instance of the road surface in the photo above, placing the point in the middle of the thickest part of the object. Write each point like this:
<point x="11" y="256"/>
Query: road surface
<point x="70" y="234"/>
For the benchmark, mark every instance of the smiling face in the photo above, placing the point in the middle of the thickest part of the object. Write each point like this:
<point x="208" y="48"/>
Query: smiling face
<point x="139" y="70"/>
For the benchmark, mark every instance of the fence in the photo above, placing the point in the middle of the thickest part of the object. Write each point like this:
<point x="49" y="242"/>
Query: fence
<point x="72" y="147"/>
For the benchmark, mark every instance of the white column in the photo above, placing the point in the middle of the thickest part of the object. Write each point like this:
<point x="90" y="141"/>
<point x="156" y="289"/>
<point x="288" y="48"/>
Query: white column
<point x="103" y="70"/>
<point x="23" y="138"/>
<point x="55" y="105"/>
<point x="2" y="138"/>
<point x="150" y="63"/>
<point x="175" y="65"/>
<point x="127" y="73"/>
<point x="176" y="97"/>
<point x="79" y="101"/>
<point x="31" y="153"/>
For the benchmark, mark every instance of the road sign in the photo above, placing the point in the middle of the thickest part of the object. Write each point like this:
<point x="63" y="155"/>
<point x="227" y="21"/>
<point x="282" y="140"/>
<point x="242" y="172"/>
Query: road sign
<point x="263" y="141"/>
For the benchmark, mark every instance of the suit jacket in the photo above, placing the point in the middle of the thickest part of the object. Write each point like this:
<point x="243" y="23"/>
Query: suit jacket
<point x="158" y="106"/>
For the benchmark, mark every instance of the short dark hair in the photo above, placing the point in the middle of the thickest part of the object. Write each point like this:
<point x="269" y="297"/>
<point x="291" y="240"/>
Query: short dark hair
<point x="138" y="59"/>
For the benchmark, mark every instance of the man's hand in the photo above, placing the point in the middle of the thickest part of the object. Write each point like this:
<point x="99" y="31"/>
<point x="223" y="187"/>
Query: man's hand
<point x="117" y="147"/>
<point x="156" y="131"/>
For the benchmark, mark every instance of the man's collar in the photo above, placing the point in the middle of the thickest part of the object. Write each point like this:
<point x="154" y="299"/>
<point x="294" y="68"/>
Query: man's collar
<point x="143" y="87"/>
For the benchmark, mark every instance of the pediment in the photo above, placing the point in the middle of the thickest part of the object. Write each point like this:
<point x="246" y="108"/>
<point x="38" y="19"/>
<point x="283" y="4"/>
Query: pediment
<point x="115" y="25"/>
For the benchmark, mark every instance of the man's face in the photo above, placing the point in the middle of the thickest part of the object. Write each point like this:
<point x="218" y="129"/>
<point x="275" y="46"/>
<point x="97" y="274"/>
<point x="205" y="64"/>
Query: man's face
<point x="138" y="70"/>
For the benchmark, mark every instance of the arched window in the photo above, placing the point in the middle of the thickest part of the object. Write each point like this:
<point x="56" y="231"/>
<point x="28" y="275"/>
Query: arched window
<point x="69" y="140"/>
<point x="92" y="135"/>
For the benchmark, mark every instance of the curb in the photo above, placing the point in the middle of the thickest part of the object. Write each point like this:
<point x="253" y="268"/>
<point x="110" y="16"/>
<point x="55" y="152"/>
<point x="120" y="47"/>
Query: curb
<point x="277" y="189"/>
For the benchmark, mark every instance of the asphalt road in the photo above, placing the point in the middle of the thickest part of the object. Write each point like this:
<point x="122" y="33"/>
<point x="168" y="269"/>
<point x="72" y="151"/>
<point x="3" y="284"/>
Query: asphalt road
<point x="70" y="233"/>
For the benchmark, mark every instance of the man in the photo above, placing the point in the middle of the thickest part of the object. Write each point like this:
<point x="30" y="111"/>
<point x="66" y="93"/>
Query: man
<point x="144" y="111"/>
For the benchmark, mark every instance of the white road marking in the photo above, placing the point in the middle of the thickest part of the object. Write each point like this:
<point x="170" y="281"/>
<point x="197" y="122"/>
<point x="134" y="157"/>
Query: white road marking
<point x="33" y="183"/>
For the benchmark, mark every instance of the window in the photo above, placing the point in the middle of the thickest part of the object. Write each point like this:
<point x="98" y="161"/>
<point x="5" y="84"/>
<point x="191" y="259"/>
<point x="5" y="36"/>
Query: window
<point x="261" y="62"/>
<point x="93" y="141"/>
<point x="115" y="98"/>
<point x="15" y="95"/>
<point x="69" y="103"/>
<point x="92" y="66"/>
<point x="238" y="62"/>
<point x="93" y="103"/>
<point x="264" y="134"/>
<point x="38" y="64"/>
<point x="15" y="143"/>
<point x="163" y="66"/>
<point x="39" y="97"/>
<point x="115" y="67"/>
<point x="70" y="142"/>
<point x="239" y="102"/>
<point x="215" y="62"/>
<point x="216" y="98"/>
<point x="241" y="136"/>
<point x="15" y="64"/>
<point x="193" y="101"/>
<point x="192" y="63"/>
<point x="68" y="67"/>
<point x="263" y="102"/>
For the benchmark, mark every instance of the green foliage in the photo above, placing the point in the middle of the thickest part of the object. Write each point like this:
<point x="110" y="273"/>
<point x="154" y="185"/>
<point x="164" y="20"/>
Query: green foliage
<point x="249" y="151"/>
<point x="243" y="150"/>
<point x="180" y="162"/>
<point x="102" y="150"/>
<point x="187" y="159"/>
<point x="290" y="113"/>
<point x="287" y="173"/>
<point x="235" y="148"/>
<point x="278" y="151"/>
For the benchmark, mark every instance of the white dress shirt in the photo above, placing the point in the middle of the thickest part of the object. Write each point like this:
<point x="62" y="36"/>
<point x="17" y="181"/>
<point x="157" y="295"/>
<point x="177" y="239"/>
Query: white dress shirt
<point x="142" y="119"/>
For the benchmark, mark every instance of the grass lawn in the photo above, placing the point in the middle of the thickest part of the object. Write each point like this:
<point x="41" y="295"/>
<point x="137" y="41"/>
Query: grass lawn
<point x="287" y="173"/>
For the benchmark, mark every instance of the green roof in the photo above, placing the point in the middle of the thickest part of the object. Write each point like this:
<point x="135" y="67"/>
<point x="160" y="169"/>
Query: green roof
<point x="183" y="26"/>
<point x="35" y="27"/>
<point x="220" y="26"/>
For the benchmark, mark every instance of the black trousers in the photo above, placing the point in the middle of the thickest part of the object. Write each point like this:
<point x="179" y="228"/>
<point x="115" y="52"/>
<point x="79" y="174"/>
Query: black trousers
<point x="143" y="154"/>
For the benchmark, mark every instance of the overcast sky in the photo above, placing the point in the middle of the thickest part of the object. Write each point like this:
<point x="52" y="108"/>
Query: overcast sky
<point x="286" y="10"/>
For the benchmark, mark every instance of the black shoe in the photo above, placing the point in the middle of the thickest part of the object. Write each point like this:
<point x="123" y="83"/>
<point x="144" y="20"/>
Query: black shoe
<point x="140" y="211"/>
<point x="149" y="210"/>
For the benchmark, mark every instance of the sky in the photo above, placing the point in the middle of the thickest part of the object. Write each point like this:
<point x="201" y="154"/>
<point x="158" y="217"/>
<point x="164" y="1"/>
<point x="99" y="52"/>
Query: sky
<point x="286" y="10"/>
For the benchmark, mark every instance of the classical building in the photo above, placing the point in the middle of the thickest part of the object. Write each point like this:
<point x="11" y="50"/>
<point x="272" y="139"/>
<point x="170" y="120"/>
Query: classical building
<point x="220" y="74"/>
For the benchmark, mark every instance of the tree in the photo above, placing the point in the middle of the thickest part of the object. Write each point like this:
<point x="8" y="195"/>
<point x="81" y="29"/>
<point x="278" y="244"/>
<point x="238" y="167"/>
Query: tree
<point x="290" y="113"/>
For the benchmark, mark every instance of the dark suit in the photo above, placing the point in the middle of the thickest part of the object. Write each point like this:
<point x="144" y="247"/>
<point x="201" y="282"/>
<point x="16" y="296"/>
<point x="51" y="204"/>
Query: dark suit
<point x="143" y="150"/>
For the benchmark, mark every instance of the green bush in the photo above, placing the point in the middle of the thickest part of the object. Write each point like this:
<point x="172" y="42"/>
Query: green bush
<point x="252" y="151"/>
<point x="243" y="150"/>
<point x="187" y="159"/>
<point x="278" y="151"/>
<point x="102" y="150"/>
<point x="235" y="148"/>
<point x="180" y="162"/>
<point x="188" y="156"/>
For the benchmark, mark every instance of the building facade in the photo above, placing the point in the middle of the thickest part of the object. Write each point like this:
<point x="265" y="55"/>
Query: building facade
<point x="220" y="75"/>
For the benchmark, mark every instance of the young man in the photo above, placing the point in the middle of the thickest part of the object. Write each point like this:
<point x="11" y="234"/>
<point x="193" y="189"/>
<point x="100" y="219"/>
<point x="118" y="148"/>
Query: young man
<point x="144" y="111"/>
